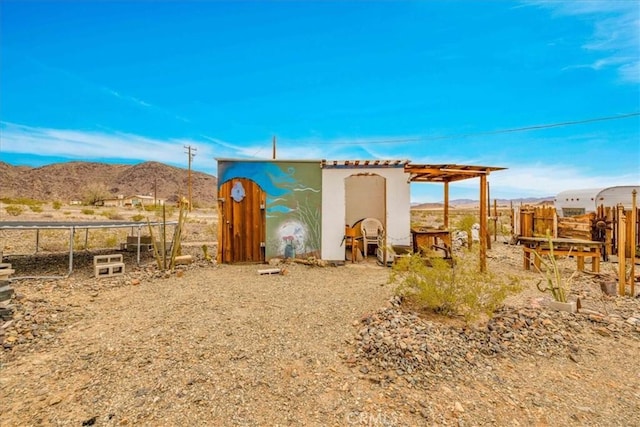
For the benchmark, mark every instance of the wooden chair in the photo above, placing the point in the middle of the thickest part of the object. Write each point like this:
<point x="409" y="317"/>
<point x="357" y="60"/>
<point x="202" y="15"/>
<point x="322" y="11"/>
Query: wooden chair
<point x="370" y="227"/>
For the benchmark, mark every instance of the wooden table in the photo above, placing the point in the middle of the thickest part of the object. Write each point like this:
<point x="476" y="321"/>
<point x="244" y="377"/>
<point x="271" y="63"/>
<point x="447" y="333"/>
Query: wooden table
<point x="429" y="237"/>
<point x="561" y="247"/>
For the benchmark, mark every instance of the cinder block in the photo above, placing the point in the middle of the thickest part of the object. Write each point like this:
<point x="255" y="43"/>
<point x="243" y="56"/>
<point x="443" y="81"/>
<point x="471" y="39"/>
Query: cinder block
<point x="5" y="273"/>
<point x="109" y="270"/>
<point x="107" y="259"/>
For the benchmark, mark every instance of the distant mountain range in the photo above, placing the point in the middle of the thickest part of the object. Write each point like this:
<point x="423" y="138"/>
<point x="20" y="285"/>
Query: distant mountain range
<point x="82" y="180"/>
<point x="468" y="203"/>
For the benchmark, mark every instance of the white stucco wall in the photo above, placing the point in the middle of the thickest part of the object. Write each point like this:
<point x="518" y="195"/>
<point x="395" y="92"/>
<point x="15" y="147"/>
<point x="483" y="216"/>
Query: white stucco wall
<point x="398" y="213"/>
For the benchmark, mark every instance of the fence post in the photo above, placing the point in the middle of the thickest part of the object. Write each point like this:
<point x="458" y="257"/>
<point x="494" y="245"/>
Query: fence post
<point x="622" y="258"/>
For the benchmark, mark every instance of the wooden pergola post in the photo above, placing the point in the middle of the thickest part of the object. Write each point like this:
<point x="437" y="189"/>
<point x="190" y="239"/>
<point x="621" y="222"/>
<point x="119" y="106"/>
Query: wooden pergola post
<point x="634" y="232"/>
<point x="446" y="205"/>
<point x="483" y="223"/>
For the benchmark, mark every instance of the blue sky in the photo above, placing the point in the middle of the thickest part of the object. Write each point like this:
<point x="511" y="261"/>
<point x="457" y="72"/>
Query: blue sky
<point x="128" y="82"/>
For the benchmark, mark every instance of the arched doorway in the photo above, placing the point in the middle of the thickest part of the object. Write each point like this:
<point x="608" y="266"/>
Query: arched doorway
<point x="242" y="228"/>
<point x="365" y="196"/>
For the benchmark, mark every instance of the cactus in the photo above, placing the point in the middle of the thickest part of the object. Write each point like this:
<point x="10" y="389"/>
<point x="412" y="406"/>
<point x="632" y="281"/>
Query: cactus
<point x="554" y="282"/>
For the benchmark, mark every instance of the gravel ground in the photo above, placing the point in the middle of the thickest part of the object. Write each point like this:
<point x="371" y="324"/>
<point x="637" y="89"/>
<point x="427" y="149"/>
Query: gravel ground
<point x="222" y="345"/>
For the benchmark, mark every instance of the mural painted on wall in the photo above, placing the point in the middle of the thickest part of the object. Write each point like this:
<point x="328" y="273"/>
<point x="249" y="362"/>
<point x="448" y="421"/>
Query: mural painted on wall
<point x="293" y="207"/>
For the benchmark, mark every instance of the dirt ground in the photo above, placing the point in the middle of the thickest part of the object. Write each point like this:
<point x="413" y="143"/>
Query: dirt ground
<point x="223" y="345"/>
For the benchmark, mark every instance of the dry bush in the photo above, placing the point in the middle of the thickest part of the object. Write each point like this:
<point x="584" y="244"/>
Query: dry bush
<point x="458" y="290"/>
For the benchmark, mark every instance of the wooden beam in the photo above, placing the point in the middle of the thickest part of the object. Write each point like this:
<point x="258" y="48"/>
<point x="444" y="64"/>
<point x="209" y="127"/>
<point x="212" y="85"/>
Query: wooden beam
<point x="488" y="213"/>
<point x="483" y="223"/>
<point x="446" y="205"/>
<point x="466" y="171"/>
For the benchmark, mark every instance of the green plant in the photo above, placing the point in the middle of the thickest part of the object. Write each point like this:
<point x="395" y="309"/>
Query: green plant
<point x="88" y="211"/>
<point x="14" y="210"/>
<point x="19" y="201"/>
<point x="555" y="285"/>
<point x="137" y="217"/>
<point x="205" y="251"/>
<point x="451" y="290"/>
<point x="57" y="204"/>
<point x="465" y="223"/>
<point x="111" y="241"/>
<point x="168" y="210"/>
<point x="35" y="208"/>
<point x="111" y="214"/>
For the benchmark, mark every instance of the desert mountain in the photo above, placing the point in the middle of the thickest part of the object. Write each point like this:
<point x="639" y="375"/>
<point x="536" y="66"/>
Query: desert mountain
<point x="77" y="180"/>
<point x="468" y="203"/>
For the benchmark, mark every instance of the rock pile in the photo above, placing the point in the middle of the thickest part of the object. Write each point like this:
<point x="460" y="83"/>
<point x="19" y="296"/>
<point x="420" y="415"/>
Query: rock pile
<point x="403" y="343"/>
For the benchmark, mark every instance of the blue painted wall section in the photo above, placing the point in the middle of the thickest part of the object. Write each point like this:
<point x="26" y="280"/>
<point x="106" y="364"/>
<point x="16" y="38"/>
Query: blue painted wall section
<point x="294" y="199"/>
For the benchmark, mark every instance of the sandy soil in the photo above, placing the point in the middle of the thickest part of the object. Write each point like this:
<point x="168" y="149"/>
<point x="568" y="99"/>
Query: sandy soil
<point x="223" y="345"/>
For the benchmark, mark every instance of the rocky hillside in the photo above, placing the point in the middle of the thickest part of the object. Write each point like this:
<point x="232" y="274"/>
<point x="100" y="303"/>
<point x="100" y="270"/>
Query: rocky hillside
<point x="80" y="180"/>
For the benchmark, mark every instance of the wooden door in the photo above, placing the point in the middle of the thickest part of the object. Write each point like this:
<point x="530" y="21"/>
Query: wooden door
<point x="242" y="222"/>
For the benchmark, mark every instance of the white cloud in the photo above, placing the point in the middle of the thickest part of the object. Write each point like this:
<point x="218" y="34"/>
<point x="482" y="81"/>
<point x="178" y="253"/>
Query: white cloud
<point x="539" y="180"/>
<point x="616" y="32"/>
<point x="520" y="180"/>
<point x="94" y="146"/>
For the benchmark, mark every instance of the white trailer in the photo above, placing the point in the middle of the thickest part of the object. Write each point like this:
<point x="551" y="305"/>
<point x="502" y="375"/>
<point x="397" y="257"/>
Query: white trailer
<point x="580" y="202"/>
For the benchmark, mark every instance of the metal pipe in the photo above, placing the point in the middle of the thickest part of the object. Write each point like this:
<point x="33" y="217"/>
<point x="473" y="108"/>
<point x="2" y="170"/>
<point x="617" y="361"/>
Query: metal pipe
<point x="72" y="231"/>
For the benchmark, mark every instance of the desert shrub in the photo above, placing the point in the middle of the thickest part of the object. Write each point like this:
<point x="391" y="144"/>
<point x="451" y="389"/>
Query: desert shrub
<point x="458" y="290"/>
<point x="88" y="211"/>
<point x="94" y="192"/>
<point x="14" y="210"/>
<point x="57" y="204"/>
<point x="35" y="208"/>
<point x="66" y="213"/>
<point x="111" y="241"/>
<point x="148" y="208"/>
<point x="20" y="201"/>
<point x="169" y="210"/>
<point x="111" y="214"/>
<point x="137" y="217"/>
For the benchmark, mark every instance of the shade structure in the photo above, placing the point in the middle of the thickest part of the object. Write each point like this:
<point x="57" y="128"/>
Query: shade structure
<point x="447" y="173"/>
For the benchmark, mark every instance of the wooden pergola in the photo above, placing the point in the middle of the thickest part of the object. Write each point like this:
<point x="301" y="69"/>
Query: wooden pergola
<point x="452" y="173"/>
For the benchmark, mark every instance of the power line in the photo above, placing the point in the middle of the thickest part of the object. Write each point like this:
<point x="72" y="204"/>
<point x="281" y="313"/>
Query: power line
<point x="494" y="132"/>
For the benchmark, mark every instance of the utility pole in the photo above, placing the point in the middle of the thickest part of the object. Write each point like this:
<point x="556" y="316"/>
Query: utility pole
<point x="191" y="152"/>
<point x="274" y="147"/>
